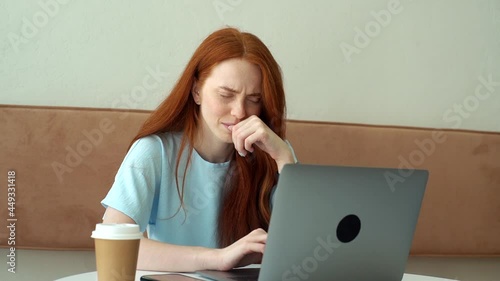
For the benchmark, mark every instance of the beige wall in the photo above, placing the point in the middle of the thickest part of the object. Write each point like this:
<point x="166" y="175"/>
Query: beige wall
<point x="419" y="63"/>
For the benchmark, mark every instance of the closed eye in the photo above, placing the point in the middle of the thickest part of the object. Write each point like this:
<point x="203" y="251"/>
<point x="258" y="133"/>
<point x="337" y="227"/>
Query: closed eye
<point x="254" y="99"/>
<point x="226" y="96"/>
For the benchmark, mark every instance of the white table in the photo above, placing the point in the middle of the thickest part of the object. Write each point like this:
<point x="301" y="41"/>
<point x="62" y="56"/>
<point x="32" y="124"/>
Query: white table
<point x="92" y="276"/>
<point x="50" y="265"/>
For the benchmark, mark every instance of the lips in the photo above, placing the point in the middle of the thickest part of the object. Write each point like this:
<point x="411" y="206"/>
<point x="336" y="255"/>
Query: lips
<point x="227" y="125"/>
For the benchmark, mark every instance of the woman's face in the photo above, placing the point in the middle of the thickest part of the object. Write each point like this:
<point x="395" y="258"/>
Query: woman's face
<point x="231" y="93"/>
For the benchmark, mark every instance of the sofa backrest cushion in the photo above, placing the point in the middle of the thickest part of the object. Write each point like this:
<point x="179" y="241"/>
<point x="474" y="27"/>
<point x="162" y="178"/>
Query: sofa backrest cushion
<point x="65" y="160"/>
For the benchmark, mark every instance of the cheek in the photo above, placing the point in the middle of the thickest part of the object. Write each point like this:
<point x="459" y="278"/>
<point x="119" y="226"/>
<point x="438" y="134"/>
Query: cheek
<point x="215" y="108"/>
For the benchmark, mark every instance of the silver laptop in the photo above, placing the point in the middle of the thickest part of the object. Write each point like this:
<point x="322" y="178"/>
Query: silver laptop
<point x="338" y="223"/>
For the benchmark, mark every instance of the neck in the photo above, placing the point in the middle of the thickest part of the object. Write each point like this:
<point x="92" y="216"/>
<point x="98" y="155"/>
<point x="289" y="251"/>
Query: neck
<point x="211" y="149"/>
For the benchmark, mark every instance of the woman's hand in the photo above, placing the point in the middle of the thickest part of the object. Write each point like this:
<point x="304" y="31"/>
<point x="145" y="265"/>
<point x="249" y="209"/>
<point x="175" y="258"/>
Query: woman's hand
<point x="253" y="131"/>
<point x="247" y="250"/>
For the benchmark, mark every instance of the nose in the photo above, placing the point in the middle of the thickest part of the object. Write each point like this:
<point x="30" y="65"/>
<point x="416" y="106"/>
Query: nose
<point x="238" y="110"/>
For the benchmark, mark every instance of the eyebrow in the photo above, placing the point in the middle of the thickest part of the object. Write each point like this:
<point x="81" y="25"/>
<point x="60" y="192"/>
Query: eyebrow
<point x="236" y="92"/>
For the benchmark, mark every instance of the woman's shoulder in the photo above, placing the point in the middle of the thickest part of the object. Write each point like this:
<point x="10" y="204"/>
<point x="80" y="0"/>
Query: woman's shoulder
<point x="158" y="140"/>
<point x="154" y="146"/>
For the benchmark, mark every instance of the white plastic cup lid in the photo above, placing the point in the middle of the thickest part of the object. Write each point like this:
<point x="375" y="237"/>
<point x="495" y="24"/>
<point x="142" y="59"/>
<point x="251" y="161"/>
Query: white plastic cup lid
<point x="117" y="231"/>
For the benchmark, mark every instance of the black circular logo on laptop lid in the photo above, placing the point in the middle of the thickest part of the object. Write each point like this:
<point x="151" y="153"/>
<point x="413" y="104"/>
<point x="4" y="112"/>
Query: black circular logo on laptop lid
<point x="348" y="228"/>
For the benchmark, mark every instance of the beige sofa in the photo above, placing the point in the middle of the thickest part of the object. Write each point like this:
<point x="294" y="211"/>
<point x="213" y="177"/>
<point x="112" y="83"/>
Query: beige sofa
<point x="65" y="160"/>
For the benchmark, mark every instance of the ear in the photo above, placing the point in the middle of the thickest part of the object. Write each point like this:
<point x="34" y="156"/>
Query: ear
<point x="195" y="92"/>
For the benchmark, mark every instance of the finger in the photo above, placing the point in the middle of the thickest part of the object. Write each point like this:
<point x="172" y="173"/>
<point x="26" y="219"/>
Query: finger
<point x="240" y="134"/>
<point x="237" y="144"/>
<point x="251" y="122"/>
<point x="258" y="235"/>
<point x="258" y="134"/>
<point x="254" y="248"/>
<point x="257" y="238"/>
<point x="258" y="231"/>
<point x="254" y="258"/>
<point x="254" y="139"/>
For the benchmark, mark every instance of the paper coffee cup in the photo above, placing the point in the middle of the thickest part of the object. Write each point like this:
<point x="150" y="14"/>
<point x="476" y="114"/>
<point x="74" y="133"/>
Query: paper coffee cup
<point x="116" y="251"/>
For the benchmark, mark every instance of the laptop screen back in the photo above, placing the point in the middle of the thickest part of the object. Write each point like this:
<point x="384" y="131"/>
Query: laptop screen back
<point x="342" y="223"/>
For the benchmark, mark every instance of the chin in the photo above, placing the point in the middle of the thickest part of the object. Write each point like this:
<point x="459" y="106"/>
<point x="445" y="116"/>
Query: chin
<point x="223" y="137"/>
<point x="227" y="139"/>
<point x="226" y="136"/>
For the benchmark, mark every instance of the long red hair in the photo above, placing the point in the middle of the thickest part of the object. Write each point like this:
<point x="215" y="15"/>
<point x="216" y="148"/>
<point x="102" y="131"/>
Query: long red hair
<point x="245" y="202"/>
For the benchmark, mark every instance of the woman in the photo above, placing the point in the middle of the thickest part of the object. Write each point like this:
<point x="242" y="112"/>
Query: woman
<point x="199" y="175"/>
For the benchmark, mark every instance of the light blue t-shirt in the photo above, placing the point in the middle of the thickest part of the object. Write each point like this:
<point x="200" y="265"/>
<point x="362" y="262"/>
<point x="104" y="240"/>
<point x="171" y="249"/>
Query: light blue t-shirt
<point x="145" y="190"/>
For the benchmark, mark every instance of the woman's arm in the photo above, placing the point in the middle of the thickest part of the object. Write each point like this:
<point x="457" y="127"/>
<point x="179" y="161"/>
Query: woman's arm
<point x="155" y="255"/>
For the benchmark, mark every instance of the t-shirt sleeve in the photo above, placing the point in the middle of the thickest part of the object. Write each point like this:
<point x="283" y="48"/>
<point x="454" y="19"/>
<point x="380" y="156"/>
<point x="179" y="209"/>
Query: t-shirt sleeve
<point x="293" y="152"/>
<point x="133" y="190"/>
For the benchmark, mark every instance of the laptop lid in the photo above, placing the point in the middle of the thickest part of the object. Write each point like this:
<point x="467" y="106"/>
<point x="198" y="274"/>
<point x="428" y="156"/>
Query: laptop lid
<point x="342" y="223"/>
<point x="339" y="223"/>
